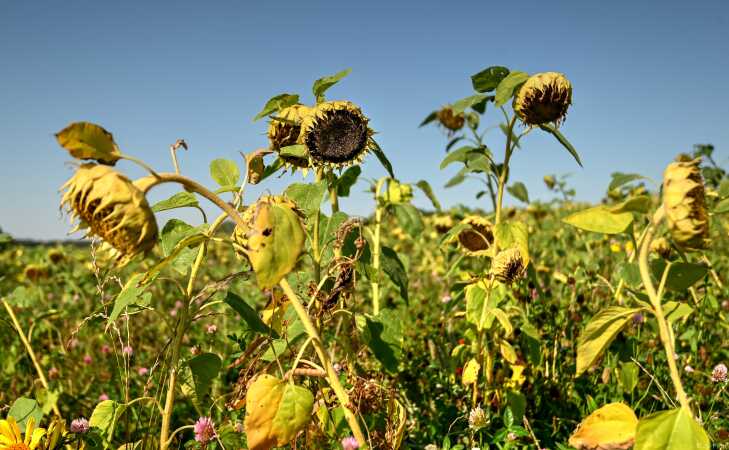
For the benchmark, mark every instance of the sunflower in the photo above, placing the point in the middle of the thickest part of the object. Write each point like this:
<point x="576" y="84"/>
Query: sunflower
<point x="685" y="204"/>
<point x="543" y="98"/>
<point x="11" y="439"/>
<point x="476" y="240"/>
<point x="284" y="131"/>
<point x="336" y="134"/>
<point x="450" y="120"/>
<point x="110" y="206"/>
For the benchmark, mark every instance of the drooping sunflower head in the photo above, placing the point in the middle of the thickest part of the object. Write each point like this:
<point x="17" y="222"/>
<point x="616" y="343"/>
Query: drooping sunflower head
<point x="56" y="255"/>
<point x="336" y="134"/>
<point x="442" y="223"/>
<point x="450" y="120"/>
<point x="476" y="240"/>
<point x="508" y="266"/>
<point x="685" y="205"/>
<point x="284" y="131"/>
<point x="35" y="272"/>
<point x="110" y="206"/>
<point x="543" y="98"/>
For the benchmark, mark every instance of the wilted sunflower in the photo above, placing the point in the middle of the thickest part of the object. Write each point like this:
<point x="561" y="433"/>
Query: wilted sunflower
<point x="442" y="223"/>
<point x="284" y="131"/>
<point x="685" y="205"/>
<point x="35" y="272"/>
<point x="508" y="266"/>
<point x="476" y="240"/>
<point x="336" y="134"/>
<point x="110" y="206"/>
<point x="543" y="98"/>
<point x="450" y="120"/>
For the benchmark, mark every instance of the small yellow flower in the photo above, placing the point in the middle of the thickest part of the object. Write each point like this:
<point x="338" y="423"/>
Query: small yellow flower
<point x="543" y="98"/>
<point x="336" y="134"/>
<point x="110" y="206"/>
<point x="685" y="205"/>
<point x="615" y="247"/>
<point x="11" y="439"/>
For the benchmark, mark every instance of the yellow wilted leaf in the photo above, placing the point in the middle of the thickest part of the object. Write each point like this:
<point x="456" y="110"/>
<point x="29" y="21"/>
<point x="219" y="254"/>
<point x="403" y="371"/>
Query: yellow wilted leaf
<point x="470" y="372"/>
<point x="276" y="411"/>
<point x="611" y="427"/>
<point x="517" y="377"/>
<point x="85" y="140"/>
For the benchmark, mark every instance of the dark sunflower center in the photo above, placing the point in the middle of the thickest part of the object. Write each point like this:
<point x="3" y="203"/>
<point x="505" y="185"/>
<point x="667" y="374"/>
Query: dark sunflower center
<point x="340" y="136"/>
<point x="476" y="239"/>
<point x="549" y="105"/>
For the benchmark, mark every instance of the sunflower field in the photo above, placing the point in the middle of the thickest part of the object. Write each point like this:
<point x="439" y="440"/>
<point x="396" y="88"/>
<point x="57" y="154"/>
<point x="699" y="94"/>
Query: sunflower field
<point x="284" y="322"/>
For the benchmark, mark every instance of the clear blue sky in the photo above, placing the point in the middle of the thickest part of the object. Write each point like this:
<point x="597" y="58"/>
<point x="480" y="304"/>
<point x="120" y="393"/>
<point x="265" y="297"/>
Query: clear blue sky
<point x="650" y="80"/>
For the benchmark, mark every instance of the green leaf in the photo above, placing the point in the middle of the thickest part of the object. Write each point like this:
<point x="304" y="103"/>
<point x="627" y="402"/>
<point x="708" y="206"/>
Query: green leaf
<point x="681" y="275"/>
<point x="174" y="232"/>
<point x="409" y="218"/>
<point x="513" y="234"/>
<point x="628" y="377"/>
<point x="105" y="416"/>
<point x="519" y="191"/>
<point x="180" y="200"/>
<point x="23" y="297"/>
<point x="394" y="268"/>
<point x="296" y="151"/>
<point x="431" y="117"/>
<point x="276" y="411"/>
<point x="428" y="191"/>
<point x="347" y="180"/>
<point x="307" y="196"/>
<point x="461" y="105"/>
<point x="205" y="367"/>
<point x="276" y="104"/>
<point x="562" y="140"/>
<point x="640" y="204"/>
<point x="225" y="172"/>
<point x="85" y="140"/>
<point x="23" y="409"/>
<point x="676" y="311"/>
<point x="600" y="219"/>
<point x="383" y="334"/>
<point x="249" y="315"/>
<point x="322" y="84"/>
<point x="620" y="179"/>
<point x="458" y="178"/>
<point x="599" y="333"/>
<point x="675" y="429"/>
<point x="488" y="79"/>
<point x="129" y="295"/>
<point x="721" y="207"/>
<point x="507" y="86"/>
<point x="459" y="155"/>
<point x="383" y="159"/>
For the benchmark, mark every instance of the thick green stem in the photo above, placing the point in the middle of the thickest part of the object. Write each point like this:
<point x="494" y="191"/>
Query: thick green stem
<point x="332" y="377"/>
<point x="503" y="176"/>
<point x="376" y="250"/>
<point x="663" y="325"/>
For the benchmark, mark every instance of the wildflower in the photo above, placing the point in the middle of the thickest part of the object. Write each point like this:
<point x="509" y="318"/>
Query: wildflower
<point x="142" y="371"/>
<point x="88" y="360"/>
<point x="446" y="298"/>
<point x="719" y="374"/>
<point x="511" y="436"/>
<point x="688" y="369"/>
<point x="12" y="439"/>
<point x="508" y="266"/>
<point x="173" y="313"/>
<point x="543" y="98"/>
<point x="350" y="443"/>
<point x="53" y="373"/>
<point x="128" y="350"/>
<point x="336" y="134"/>
<point x="103" y="397"/>
<point x="110" y="206"/>
<point x="79" y="426"/>
<point x="195" y="350"/>
<point x="685" y="205"/>
<point x="430" y="447"/>
<point x="204" y="430"/>
<point x="105" y="349"/>
<point x="337" y="368"/>
<point x="477" y="418"/>
<point x="638" y="318"/>
<point x="212" y="329"/>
